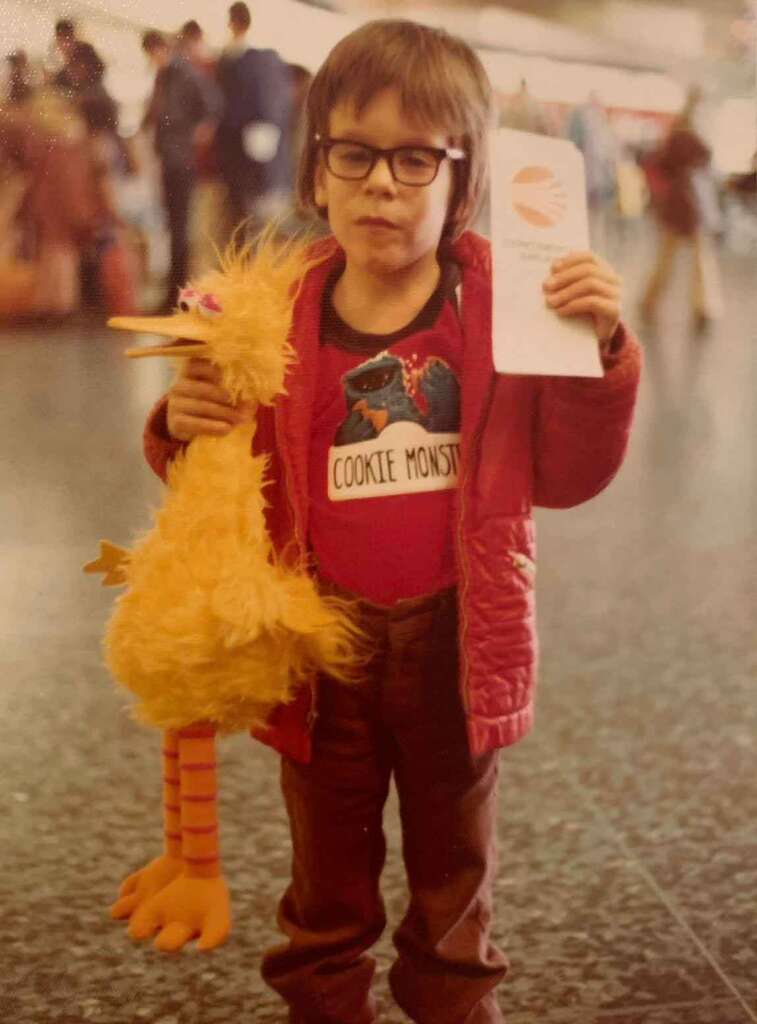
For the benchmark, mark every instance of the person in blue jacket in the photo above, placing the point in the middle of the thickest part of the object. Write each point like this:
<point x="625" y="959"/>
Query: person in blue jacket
<point x="253" y="135"/>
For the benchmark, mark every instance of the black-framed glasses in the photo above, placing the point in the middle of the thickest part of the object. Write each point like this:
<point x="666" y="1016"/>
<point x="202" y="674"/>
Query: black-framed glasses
<point x="409" y="165"/>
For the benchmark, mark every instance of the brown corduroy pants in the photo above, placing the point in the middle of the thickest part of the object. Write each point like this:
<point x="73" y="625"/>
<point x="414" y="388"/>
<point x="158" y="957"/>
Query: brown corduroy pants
<point x="403" y="719"/>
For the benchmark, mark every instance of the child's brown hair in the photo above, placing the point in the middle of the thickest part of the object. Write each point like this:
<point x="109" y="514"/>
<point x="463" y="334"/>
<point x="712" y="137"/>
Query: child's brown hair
<point x="440" y="80"/>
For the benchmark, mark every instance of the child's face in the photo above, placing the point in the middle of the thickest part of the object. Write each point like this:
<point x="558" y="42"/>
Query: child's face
<point x="417" y="213"/>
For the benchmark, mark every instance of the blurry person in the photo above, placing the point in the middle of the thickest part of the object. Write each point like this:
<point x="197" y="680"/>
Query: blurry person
<point x="253" y="137"/>
<point x="680" y="219"/>
<point x="182" y="108"/>
<point x="109" y="276"/>
<point x="590" y="129"/>
<point x="17" y="277"/>
<point x="524" y="113"/>
<point x="85" y="72"/>
<point x="46" y="139"/>
<point x="65" y="37"/>
<point x="207" y="229"/>
<point x="190" y="43"/>
<point x="63" y="51"/>
<point x="59" y="52"/>
<point x="632" y="203"/>
<point x="98" y="107"/>
<point x="19" y="78"/>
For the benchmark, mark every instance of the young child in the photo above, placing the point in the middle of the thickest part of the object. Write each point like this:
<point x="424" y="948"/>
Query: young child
<point x="405" y="469"/>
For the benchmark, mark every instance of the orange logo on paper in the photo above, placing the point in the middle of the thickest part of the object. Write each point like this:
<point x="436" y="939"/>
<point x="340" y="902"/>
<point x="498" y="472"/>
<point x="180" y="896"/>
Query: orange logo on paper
<point x="538" y="197"/>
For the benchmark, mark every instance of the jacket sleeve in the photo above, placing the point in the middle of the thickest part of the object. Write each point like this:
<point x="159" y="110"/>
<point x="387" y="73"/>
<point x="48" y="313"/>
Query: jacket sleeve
<point x="582" y="427"/>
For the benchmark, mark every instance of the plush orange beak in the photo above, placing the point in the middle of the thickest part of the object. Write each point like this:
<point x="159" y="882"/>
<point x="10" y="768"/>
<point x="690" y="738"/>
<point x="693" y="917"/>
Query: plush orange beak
<point x="187" y="329"/>
<point x="194" y="348"/>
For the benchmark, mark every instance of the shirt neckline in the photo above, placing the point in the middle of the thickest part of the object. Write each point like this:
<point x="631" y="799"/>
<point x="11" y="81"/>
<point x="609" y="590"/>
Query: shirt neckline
<point x="339" y="333"/>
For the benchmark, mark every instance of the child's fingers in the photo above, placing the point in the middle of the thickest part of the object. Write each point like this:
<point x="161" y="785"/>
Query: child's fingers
<point x="187" y="427"/>
<point x="585" y="286"/>
<point x="197" y="407"/>
<point x="191" y="387"/>
<point x="575" y="257"/>
<point x="201" y="390"/>
<point x="200" y="386"/>
<point x="595" y="271"/>
<point x="594" y="304"/>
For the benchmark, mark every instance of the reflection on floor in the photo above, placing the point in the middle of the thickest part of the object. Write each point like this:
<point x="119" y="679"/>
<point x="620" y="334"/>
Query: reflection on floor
<point x="628" y="861"/>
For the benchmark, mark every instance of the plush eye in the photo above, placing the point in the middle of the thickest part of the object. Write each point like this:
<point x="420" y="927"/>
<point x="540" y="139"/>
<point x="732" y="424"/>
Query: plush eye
<point x="210" y="307"/>
<point x="189" y="299"/>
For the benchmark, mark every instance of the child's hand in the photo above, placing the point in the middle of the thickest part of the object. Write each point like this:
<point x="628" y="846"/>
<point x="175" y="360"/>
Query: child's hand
<point x="580" y="284"/>
<point x="198" y="404"/>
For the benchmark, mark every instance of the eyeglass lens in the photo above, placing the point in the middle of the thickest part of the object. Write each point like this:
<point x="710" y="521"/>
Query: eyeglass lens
<point x="409" y="166"/>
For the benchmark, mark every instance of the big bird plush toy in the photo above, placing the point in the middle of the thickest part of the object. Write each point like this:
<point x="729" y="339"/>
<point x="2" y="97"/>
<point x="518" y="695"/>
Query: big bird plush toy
<point x="213" y="631"/>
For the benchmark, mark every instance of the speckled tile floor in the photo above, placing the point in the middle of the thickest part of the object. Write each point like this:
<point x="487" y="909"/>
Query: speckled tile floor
<point x="626" y="891"/>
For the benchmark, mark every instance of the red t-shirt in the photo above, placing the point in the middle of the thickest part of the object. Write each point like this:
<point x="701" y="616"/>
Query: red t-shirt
<point x="384" y="451"/>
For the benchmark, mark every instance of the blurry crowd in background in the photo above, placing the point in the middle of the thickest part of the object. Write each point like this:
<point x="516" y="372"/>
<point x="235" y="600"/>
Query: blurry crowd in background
<point x="82" y="206"/>
<point x="91" y="218"/>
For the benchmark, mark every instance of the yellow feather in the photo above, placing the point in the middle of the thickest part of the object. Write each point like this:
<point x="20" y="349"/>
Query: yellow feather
<point x="211" y="626"/>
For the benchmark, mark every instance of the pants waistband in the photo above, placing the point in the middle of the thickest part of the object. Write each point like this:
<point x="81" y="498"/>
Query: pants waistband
<point x="406" y="606"/>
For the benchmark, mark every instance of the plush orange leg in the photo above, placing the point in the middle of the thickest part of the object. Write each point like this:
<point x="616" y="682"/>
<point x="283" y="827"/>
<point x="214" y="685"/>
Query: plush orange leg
<point x="197" y="901"/>
<point x="171" y="796"/>
<point x="143" y="884"/>
<point x="199" y="820"/>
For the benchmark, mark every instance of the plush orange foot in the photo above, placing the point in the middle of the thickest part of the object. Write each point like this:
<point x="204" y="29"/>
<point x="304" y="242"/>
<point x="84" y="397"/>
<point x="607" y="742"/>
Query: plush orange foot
<point x="145" y="883"/>
<point x="185" y="908"/>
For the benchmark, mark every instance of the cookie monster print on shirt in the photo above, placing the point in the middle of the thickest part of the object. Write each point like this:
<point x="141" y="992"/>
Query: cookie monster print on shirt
<point x="384" y="451"/>
<point x="401" y="431"/>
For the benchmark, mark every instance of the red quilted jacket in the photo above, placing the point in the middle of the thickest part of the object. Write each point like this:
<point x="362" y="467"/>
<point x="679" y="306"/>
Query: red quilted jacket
<point x="525" y="441"/>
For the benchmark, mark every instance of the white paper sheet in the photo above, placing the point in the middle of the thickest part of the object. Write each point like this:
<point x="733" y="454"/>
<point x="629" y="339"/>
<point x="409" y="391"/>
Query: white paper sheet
<point x="538" y="213"/>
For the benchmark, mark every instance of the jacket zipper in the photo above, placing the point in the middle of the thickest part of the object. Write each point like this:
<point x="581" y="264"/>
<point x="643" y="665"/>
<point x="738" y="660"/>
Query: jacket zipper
<point x="288" y="484"/>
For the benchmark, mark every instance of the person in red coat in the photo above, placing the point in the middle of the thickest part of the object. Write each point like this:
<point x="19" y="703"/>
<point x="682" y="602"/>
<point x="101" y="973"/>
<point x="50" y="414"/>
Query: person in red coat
<point x="678" y="209"/>
<point x="405" y="470"/>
